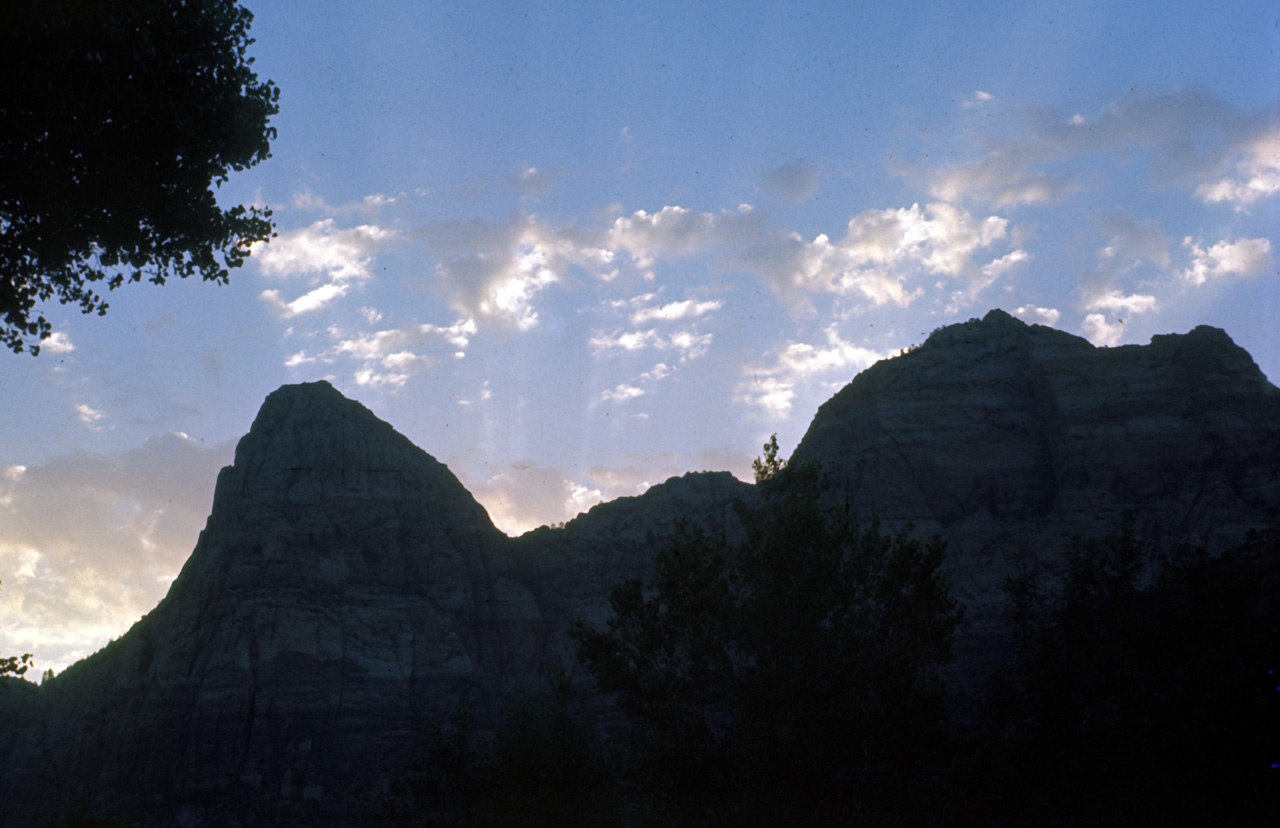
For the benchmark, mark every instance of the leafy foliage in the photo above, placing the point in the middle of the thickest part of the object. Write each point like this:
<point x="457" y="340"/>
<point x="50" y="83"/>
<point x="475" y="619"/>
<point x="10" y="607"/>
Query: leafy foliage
<point x="119" y="119"/>
<point x="1127" y="704"/>
<point x="789" y="679"/>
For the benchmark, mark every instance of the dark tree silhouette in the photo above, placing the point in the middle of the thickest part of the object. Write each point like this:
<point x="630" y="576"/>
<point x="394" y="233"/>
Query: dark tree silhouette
<point x="120" y="120"/>
<point x="788" y="679"/>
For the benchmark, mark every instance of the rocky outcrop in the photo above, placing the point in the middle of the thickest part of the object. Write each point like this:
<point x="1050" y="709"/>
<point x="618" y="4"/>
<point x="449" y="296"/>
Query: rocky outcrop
<point x="1001" y="435"/>
<point x="348" y="588"/>
<point x="345" y="590"/>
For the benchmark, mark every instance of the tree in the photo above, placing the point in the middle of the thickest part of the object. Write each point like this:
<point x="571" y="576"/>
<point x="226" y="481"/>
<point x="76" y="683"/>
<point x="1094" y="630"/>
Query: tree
<point x="1155" y="695"/>
<point x="120" y="120"/>
<point x="14" y="666"/>
<point x="788" y="679"/>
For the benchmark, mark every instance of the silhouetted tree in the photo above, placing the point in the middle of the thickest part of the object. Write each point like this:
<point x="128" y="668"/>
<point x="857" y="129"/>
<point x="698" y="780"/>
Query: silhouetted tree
<point x="14" y="666"/>
<point x="119" y="119"/>
<point x="1130" y="704"/>
<point x="788" y="679"/>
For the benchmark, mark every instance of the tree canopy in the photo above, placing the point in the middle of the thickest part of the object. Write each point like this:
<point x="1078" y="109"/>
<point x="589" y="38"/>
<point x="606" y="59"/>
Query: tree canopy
<point x="120" y="121"/>
<point x="787" y="679"/>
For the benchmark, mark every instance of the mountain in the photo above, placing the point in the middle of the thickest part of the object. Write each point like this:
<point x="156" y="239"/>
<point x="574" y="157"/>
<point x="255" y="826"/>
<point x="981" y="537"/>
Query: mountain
<point x="1001" y="435"/>
<point x="347" y="587"/>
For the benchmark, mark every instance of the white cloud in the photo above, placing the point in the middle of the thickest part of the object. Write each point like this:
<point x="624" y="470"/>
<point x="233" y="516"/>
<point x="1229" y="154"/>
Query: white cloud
<point x="1099" y="331"/>
<point x="88" y="415"/>
<point x="1255" y="175"/>
<point x="370" y="204"/>
<point x="57" y="343"/>
<point x="1033" y="315"/>
<point x="492" y="272"/>
<point x="390" y="357"/>
<point x="978" y="98"/>
<point x="341" y="256"/>
<point x="674" y="310"/>
<point x="1244" y="258"/>
<point x="773" y="387"/>
<point x="621" y="393"/>
<point x="690" y="345"/>
<point x="1117" y="302"/>
<point x="92" y="541"/>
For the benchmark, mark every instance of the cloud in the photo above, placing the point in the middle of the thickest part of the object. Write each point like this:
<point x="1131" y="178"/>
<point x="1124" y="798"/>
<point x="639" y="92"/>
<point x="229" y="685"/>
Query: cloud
<point x="1033" y="315"/>
<point x="978" y="98"/>
<point x="526" y="496"/>
<point x="1255" y="174"/>
<point x="1183" y="132"/>
<point x="89" y="416"/>
<point x="772" y="387"/>
<point x="621" y="393"/>
<point x="491" y="273"/>
<point x="794" y="182"/>
<point x="674" y="310"/>
<point x="1099" y="331"/>
<point x="1243" y="258"/>
<point x="369" y="205"/>
<point x="1115" y="301"/>
<point x="341" y="256"/>
<point x="689" y="344"/>
<point x="390" y="357"/>
<point x="91" y="542"/>
<point x="57" y="343"/>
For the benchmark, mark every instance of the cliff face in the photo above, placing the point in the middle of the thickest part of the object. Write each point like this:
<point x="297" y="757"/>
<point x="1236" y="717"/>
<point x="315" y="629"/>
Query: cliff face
<point x="347" y="587"/>
<point x="345" y="590"/>
<point x="1001" y="435"/>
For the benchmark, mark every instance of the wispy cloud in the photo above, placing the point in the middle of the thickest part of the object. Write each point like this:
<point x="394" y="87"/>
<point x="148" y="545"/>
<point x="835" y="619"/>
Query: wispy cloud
<point x="773" y="386"/>
<point x="1184" y="132"/>
<point x="339" y="256"/>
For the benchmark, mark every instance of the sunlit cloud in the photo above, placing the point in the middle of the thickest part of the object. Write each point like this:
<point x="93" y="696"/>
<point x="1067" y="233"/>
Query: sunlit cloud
<point x="321" y="249"/>
<point x="1242" y="258"/>
<point x="1099" y="331"/>
<point x="1034" y="315"/>
<point x="92" y="541"/>
<point x="1255" y="175"/>
<point x="689" y="344"/>
<point x="773" y="386"/>
<point x="674" y="310"/>
<point x="491" y="273"/>
<point x="390" y="357"/>
<point x="57" y="343"/>
<point x="526" y="496"/>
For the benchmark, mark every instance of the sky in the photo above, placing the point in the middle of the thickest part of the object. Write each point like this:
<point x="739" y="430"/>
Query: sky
<point x="572" y="249"/>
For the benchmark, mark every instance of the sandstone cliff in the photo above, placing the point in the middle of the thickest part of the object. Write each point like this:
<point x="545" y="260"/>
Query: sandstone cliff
<point x="347" y="587"/>
<point x="1001" y="435"/>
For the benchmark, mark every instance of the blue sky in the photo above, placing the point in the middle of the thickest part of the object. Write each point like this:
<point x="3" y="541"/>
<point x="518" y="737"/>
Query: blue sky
<point x="572" y="249"/>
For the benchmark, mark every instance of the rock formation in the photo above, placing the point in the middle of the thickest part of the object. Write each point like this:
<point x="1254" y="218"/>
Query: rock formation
<point x="347" y="587"/>
<point x="1001" y="435"/>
